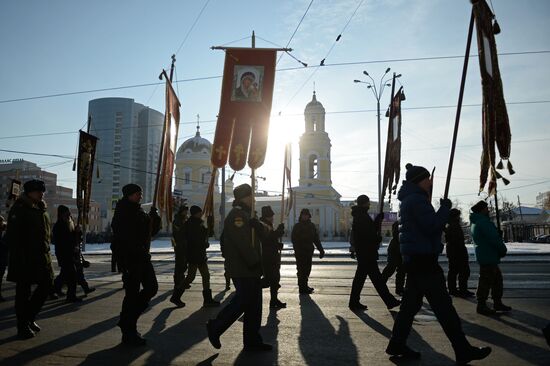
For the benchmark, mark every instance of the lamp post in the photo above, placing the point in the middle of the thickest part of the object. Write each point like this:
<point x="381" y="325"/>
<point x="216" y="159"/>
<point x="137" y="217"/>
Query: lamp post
<point x="377" y="92"/>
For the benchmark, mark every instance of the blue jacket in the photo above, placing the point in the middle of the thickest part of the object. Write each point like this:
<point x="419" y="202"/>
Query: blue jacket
<point x="421" y="226"/>
<point x="488" y="243"/>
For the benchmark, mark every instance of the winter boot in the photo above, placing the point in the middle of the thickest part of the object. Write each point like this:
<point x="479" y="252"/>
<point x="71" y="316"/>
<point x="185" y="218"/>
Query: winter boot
<point x="402" y="351"/>
<point x="499" y="306"/>
<point x="208" y="300"/>
<point x="277" y="304"/>
<point x="471" y="354"/>
<point x="176" y="298"/>
<point x="24" y="331"/>
<point x="483" y="309"/>
<point x="357" y="306"/>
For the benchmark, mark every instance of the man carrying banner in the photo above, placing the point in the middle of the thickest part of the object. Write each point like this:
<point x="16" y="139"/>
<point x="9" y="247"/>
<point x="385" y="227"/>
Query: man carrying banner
<point x="420" y="236"/>
<point x="243" y="250"/>
<point x="132" y="232"/>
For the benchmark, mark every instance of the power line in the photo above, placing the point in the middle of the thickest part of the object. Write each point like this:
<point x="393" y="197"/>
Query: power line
<point x="295" y="30"/>
<point x="284" y="69"/>
<point x="192" y="27"/>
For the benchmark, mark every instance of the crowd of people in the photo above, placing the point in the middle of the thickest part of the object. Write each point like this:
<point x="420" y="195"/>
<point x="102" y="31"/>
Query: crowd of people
<point x="252" y="248"/>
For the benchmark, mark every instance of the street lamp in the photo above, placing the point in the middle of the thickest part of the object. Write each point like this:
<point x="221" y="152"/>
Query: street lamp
<point x="377" y="92"/>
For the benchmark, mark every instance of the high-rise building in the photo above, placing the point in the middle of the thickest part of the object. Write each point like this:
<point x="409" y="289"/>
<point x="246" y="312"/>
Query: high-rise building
<point x="127" y="150"/>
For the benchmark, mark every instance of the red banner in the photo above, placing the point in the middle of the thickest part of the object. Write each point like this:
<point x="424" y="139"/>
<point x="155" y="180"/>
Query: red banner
<point x="163" y="197"/>
<point x="243" y="120"/>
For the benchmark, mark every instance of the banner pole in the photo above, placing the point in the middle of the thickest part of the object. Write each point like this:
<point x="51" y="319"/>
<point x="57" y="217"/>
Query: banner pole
<point x="283" y="190"/>
<point x="459" y="107"/>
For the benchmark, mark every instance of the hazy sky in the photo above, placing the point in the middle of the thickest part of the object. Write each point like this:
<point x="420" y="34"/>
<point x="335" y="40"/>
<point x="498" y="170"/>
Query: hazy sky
<point x="51" y="47"/>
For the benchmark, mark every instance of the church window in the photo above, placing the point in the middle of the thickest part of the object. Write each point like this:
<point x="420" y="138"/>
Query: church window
<point x="187" y="178"/>
<point x="313" y="166"/>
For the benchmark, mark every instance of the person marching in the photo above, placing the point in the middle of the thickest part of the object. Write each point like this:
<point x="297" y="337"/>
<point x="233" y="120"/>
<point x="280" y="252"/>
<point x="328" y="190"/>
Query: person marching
<point x="132" y="232"/>
<point x="395" y="262"/>
<point x="420" y="232"/>
<point x="244" y="252"/>
<point x="66" y="238"/>
<point x="180" y="248"/>
<point x="196" y="238"/>
<point x="304" y="237"/>
<point x="458" y="256"/>
<point x="28" y="236"/>
<point x="366" y="242"/>
<point x="271" y="255"/>
<point x="489" y="248"/>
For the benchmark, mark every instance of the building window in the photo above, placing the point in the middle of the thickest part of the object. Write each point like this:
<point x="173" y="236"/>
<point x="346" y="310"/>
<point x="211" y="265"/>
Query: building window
<point x="313" y="166"/>
<point x="187" y="178"/>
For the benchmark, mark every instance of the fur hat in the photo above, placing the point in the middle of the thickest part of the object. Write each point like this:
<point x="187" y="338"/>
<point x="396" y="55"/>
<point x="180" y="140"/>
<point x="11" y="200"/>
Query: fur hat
<point x="267" y="211"/>
<point x="34" y="185"/>
<point x="478" y="207"/>
<point x="194" y="210"/>
<point x="415" y="173"/>
<point x="305" y="211"/>
<point x="242" y="191"/>
<point x="362" y="199"/>
<point x="130" y="189"/>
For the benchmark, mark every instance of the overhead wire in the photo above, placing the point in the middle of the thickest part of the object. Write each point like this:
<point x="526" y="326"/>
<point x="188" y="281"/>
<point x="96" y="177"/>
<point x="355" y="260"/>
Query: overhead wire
<point x="294" y="33"/>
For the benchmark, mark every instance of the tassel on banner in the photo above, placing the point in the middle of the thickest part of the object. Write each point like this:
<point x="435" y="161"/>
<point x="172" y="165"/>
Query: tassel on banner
<point x="500" y="166"/>
<point x="510" y="168"/>
<point x="505" y="181"/>
<point x="74" y="165"/>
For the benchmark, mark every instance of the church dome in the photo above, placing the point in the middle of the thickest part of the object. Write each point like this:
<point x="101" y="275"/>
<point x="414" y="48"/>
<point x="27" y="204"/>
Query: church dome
<point x="314" y="106"/>
<point x="196" y="144"/>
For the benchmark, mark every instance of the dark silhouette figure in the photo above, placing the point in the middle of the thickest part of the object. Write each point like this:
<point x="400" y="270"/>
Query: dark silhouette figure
<point x="271" y="255"/>
<point x="66" y="238"/>
<point x="196" y="238"/>
<point x="366" y="242"/>
<point x="226" y="273"/>
<point x="420" y="237"/>
<point x="4" y="252"/>
<point x="304" y="237"/>
<point x="132" y="232"/>
<point x="457" y="254"/>
<point x="489" y="248"/>
<point x="395" y="262"/>
<point x="180" y="249"/>
<point x="243" y="250"/>
<point x="28" y="236"/>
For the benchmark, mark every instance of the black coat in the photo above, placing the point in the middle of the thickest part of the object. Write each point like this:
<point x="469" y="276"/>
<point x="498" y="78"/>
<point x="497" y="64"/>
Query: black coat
<point x="28" y="236"/>
<point x="67" y="244"/>
<point x="456" y="248"/>
<point x="132" y="232"/>
<point x="4" y="250"/>
<point x="365" y="237"/>
<point x="304" y="236"/>
<point x="271" y="244"/>
<point x="196" y="237"/>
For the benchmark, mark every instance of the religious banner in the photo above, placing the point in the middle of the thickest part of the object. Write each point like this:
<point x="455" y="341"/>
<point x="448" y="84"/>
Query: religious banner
<point x="163" y="190"/>
<point x="208" y="208"/>
<point x="392" y="164"/>
<point x="85" y="169"/>
<point x="246" y="97"/>
<point x="496" y="127"/>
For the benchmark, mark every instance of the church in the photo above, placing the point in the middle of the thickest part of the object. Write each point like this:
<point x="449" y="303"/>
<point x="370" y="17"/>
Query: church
<point x="314" y="191"/>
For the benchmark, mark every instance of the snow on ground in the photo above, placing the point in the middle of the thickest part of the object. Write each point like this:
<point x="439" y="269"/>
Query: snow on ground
<point x="164" y="245"/>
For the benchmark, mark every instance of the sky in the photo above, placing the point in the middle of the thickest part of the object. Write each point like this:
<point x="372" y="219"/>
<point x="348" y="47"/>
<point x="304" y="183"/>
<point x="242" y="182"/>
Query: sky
<point x="56" y="47"/>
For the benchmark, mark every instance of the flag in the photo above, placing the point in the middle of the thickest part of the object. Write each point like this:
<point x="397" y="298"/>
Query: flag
<point x="496" y="127"/>
<point x="392" y="164"/>
<point x="163" y="189"/>
<point x="246" y="97"/>
<point x="85" y="170"/>
<point x="287" y="177"/>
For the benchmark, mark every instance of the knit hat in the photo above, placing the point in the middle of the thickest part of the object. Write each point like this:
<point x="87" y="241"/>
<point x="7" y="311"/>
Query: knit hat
<point x="242" y="191"/>
<point x="305" y="211"/>
<point x="34" y="185"/>
<point x="362" y="199"/>
<point x="415" y="173"/>
<point x="478" y="207"/>
<point x="130" y="189"/>
<point x="267" y="211"/>
<point x="194" y="210"/>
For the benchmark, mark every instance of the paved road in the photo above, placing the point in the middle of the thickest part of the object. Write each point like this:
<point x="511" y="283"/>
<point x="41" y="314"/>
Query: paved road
<point x="313" y="330"/>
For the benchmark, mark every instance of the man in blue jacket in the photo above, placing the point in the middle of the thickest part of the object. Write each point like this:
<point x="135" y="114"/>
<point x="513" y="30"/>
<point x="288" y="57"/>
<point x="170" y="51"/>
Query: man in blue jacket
<point x="420" y="241"/>
<point x="489" y="249"/>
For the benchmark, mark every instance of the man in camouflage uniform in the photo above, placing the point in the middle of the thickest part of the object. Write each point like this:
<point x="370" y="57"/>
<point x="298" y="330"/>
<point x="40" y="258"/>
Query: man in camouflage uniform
<point x="242" y="248"/>
<point x="178" y="240"/>
<point x="28" y="236"/>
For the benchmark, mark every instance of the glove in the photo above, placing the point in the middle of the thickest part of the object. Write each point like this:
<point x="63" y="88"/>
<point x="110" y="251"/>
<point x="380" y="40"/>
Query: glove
<point x="255" y="223"/>
<point x="321" y="253"/>
<point x="281" y="227"/>
<point x="153" y="211"/>
<point x="445" y="202"/>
